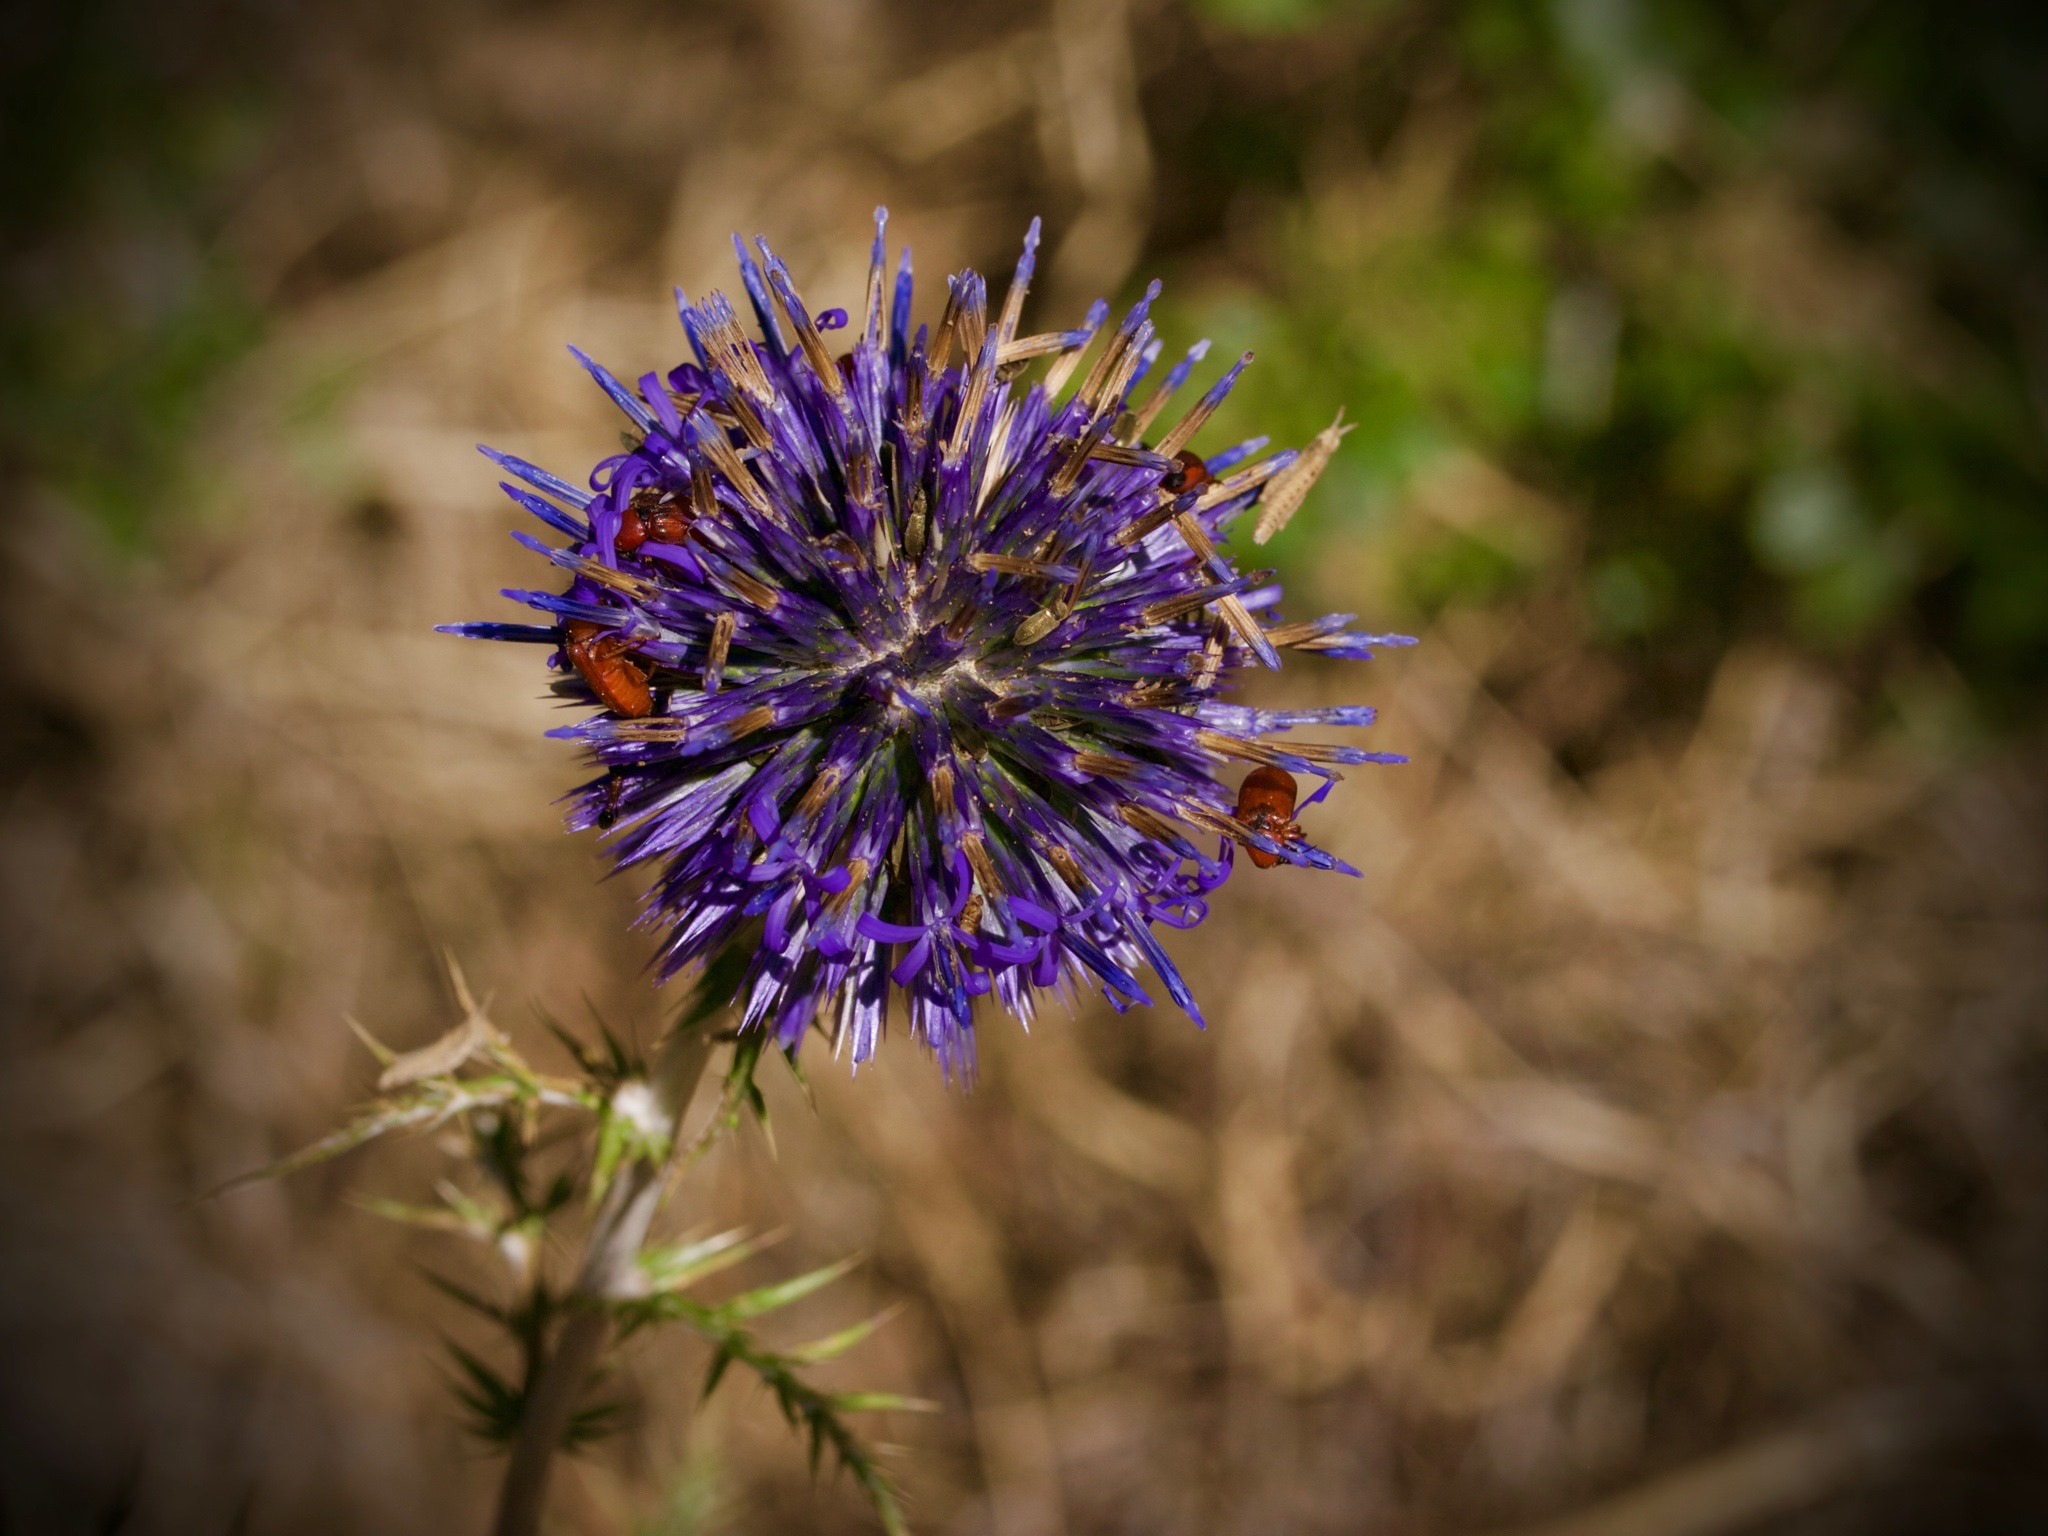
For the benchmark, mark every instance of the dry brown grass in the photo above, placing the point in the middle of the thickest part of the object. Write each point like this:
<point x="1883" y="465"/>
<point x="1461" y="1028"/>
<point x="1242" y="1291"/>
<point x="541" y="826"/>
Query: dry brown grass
<point x="1657" y="1152"/>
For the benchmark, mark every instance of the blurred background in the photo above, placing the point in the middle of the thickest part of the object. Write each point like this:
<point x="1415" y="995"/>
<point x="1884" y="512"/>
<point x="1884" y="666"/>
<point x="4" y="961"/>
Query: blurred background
<point x="1650" y="1142"/>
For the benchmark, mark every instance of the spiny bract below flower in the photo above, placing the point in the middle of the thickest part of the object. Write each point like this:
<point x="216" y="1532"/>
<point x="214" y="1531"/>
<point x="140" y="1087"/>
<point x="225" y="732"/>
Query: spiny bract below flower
<point x="915" y="665"/>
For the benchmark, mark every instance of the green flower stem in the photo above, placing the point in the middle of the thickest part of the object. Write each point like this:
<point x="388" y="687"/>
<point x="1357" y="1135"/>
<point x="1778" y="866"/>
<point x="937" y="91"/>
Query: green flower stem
<point x="609" y="1274"/>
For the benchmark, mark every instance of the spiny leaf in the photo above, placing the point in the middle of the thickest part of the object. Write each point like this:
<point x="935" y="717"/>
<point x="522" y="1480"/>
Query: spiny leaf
<point x="463" y="999"/>
<point x="796" y="1071"/>
<point x="467" y="1297"/>
<point x="578" y="1051"/>
<point x="740" y="1088"/>
<point x="834" y="1345"/>
<point x="621" y="1062"/>
<point x="453" y="1050"/>
<point x="664" y="1307"/>
<point x="590" y="1424"/>
<point x="495" y="1403"/>
<point x="721" y="1360"/>
<point x="377" y="1048"/>
<point x="882" y="1402"/>
<point x="606" y="1068"/>
<point x="613" y="1136"/>
<point x="805" y="1408"/>
<point x="385" y="1116"/>
<point x="427" y="1104"/>
<point x="882" y="1495"/>
<point x="481" y="1218"/>
<point x="560" y="1193"/>
<point x="770" y="1298"/>
<point x="433" y="1217"/>
<point x="630" y="1127"/>
<point x="672" y="1268"/>
<point x="715" y="991"/>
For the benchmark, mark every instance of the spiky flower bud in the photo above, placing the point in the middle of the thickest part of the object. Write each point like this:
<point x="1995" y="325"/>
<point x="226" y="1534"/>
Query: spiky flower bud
<point x="915" y="667"/>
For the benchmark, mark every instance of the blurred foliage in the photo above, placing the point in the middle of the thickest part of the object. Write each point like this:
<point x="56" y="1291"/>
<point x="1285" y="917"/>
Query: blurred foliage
<point x="506" y="1116"/>
<point x="123" y="130"/>
<point x="1750" y="293"/>
<point x="1747" y="295"/>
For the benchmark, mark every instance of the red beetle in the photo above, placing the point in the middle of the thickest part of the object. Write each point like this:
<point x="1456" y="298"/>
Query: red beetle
<point x="1265" y="803"/>
<point x="659" y="518"/>
<point x="600" y="655"/>
<point x="1188" y="472"/>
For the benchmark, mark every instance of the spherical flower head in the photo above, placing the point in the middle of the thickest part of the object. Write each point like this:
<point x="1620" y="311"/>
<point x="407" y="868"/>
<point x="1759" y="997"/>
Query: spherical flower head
<point x="905" y="666"/>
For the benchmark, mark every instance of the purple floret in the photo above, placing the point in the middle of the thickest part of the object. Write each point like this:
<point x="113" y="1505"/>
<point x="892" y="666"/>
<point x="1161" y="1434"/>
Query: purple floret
<point x="935" y="662"/>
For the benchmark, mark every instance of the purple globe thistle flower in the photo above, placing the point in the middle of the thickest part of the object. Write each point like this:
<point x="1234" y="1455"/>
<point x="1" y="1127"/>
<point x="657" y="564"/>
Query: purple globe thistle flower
<point x="908" y="673"/>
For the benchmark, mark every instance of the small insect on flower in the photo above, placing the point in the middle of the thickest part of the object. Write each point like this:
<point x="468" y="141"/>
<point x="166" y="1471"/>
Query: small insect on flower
<point x="1187" y="474"/>
<point x="1265" y="803"/>
<point x="908" y="666"/>
<point x="608" y="805"/>
<point x="601" y="657"/>
<point x="651" y="516"/>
